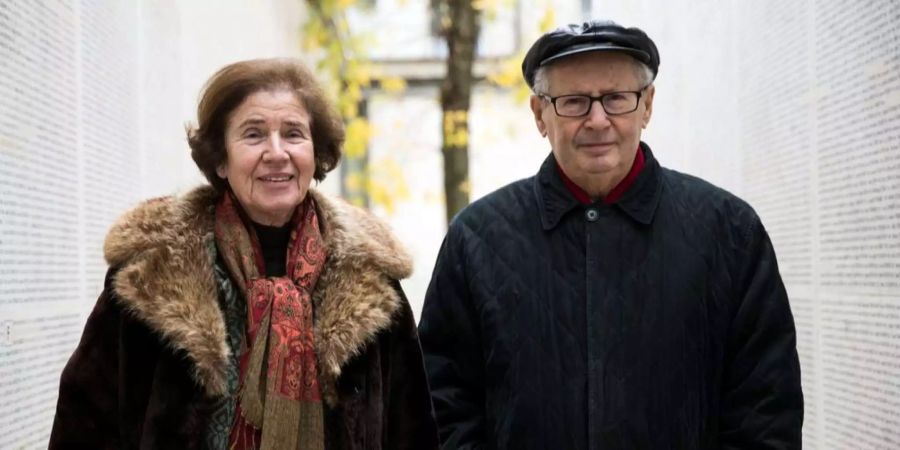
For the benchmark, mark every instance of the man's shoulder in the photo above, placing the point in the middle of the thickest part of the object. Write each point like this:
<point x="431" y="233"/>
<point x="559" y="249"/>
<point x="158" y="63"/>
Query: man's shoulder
<point x="502" y="205"/>
<point x="700" y="195"/>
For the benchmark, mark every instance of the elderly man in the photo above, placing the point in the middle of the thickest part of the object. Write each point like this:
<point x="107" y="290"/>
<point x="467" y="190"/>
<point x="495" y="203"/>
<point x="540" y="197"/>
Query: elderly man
<point x="608" y="302"/>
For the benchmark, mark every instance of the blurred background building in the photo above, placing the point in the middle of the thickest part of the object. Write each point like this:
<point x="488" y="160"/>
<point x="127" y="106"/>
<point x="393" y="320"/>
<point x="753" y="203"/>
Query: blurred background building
<point x="794" y="106"/>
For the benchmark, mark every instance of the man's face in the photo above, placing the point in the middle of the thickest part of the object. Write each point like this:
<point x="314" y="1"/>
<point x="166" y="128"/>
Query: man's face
<point x="595" y="146"/>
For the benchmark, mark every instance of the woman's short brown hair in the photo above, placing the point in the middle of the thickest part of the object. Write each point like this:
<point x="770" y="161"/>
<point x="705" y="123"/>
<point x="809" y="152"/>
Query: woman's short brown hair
<point x="228" y="88"/>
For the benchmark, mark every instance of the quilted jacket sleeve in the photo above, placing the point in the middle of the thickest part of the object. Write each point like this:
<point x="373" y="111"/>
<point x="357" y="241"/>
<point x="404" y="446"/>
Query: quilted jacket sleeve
<point x="449" y="331"/>
<point x="762" y="404"/>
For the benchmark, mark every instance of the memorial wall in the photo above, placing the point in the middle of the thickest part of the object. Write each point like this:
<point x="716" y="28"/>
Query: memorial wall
<point x="93" y="100"/>
<point x="67" y="168"/>
<point x="819" y="100"/>
<point x="812" y="140"/>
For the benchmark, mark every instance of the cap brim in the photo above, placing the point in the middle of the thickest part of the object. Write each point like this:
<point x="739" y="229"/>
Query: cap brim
<point x="599" y="47"/>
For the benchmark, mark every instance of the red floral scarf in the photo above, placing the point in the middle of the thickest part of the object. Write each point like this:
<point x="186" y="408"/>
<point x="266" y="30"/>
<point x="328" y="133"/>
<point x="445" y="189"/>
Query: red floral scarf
<point x="280" y="403"/>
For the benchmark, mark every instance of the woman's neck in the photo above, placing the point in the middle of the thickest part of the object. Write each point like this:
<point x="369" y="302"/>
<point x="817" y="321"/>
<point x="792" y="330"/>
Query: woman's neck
<point x="274" y="243"/>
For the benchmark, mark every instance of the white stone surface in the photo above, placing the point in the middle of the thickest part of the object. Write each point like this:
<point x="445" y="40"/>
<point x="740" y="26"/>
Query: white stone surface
<point x="94" y="96"/>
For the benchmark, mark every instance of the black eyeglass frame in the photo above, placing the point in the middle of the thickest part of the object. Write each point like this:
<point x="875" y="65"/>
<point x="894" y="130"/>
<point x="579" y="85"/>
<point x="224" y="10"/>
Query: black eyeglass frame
<point x="598" y="98"/>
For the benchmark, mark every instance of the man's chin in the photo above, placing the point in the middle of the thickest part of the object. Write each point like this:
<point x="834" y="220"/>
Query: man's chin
<point x="598" y="165"/>
<point x="598" y="150"/>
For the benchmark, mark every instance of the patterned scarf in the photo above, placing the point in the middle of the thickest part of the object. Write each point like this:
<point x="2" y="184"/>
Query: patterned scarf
<point x="280" y="403"/>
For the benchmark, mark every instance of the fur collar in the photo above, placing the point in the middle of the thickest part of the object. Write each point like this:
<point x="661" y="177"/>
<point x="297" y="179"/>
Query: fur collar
<point x="166" y="278"/>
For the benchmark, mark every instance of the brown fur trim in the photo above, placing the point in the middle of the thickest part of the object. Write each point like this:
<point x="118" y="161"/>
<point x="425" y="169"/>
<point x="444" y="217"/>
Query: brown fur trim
<point x="354" y="297"/>
<point x="166" y="279"/>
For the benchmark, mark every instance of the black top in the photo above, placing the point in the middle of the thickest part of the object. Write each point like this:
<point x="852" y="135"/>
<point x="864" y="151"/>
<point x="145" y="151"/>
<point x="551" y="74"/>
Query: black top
<point x="657" y="322"/>
<point x="274" y="243"/>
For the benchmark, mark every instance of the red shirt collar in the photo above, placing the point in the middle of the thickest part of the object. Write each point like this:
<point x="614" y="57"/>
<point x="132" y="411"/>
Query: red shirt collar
<point x="617" y="192"/>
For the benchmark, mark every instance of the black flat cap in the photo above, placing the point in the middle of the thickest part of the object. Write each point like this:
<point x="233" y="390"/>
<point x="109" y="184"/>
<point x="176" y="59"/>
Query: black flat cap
<point x="596" y="35"/>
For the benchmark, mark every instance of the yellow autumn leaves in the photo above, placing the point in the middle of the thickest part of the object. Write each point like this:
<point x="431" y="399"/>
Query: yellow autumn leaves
<point x="341" y="56"/>
<point x="456" y="134"/>
<point x="510" y="74"/>
<point x="341" y="60"/>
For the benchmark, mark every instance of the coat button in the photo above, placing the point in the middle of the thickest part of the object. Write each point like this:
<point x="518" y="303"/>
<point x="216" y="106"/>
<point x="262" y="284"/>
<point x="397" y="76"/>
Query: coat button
<point x="591" y="215"/>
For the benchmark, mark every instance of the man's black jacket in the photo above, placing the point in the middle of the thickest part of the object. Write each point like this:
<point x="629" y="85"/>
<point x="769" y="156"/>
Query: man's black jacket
<point x="658" y="322"/>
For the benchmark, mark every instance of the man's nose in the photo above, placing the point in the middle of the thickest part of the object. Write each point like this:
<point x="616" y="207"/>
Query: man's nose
<point x="597" y="116"/>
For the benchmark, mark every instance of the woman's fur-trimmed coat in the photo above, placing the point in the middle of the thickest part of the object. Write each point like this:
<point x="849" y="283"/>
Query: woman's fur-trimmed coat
<point x="153" y="357"/>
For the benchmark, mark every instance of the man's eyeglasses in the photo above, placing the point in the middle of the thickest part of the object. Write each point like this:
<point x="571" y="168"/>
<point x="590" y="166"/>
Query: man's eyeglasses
<point x="614" y="103"/>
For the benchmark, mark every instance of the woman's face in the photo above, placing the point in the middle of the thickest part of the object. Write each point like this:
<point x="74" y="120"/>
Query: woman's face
<point x="270" y="160"/>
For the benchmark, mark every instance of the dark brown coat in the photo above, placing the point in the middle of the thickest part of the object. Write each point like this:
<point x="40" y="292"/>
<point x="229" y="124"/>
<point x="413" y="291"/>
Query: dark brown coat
<point x="153" y="356"/>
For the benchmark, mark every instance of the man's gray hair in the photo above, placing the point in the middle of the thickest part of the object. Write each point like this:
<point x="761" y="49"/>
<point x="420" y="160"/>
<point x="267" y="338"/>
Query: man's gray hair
<point x="542" y="84"/>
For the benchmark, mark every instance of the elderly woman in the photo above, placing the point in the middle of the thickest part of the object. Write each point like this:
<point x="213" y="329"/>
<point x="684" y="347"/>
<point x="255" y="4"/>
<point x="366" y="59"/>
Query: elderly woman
<point x="254" y="313"/>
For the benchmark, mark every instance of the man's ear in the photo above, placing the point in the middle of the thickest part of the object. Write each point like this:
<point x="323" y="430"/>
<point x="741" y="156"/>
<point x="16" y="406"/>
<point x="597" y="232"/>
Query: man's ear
<point x="647" y="98"/>
<point x="537" y="108"/>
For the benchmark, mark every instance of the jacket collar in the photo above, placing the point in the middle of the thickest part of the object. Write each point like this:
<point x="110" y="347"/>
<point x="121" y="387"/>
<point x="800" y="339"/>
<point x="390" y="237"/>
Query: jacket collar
<point x="639" y="202"/>
<point x="164" y="250"/>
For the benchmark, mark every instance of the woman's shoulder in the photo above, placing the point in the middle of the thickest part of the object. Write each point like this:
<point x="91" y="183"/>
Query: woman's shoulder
<point x="357" y="235"/>
<point x="170" y="222"/>
<point x="162" y="273"/>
